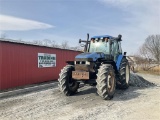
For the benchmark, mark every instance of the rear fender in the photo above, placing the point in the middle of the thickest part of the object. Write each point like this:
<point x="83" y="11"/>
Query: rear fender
<point x="119" y="59"/>
<point x="113" y="64"/>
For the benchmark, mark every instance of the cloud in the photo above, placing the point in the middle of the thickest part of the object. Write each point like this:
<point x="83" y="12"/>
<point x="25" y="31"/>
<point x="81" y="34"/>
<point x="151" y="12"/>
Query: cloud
<point x="142" y="18"/>
<point x="19" y="24"/>
<point x="119" y="3"/>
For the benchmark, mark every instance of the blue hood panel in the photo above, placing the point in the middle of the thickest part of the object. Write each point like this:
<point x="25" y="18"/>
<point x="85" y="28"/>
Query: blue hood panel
<point x="94" y="55"/>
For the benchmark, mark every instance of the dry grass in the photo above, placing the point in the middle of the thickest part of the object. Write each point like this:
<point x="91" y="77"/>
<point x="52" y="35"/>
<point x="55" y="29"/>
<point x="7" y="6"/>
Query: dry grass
<point x="155" y="70"/>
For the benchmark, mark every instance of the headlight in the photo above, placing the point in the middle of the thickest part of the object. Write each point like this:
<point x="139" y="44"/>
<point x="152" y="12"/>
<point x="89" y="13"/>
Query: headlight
<point x="87" y="63"/>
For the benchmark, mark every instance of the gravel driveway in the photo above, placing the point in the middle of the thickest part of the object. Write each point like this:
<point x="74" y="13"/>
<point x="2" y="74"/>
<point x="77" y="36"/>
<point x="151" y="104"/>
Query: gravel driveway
<point x="135" y="103"/>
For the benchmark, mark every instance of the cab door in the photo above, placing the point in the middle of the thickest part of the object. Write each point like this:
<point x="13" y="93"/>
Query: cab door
<point x="116" y="49"/>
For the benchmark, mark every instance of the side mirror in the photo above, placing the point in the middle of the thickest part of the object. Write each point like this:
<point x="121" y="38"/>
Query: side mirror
<point x="80" y="40"/>
<point x="125" y="53"/>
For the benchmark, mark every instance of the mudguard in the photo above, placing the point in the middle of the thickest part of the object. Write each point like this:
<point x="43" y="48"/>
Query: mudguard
<point x="118" y="62"/>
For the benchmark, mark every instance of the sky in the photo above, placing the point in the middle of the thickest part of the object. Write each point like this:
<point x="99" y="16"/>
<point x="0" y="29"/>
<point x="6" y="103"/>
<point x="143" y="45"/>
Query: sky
<point x="70" y="20"/>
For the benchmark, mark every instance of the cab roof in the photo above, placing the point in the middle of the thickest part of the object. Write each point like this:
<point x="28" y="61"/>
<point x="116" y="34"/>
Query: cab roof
<point x="107" y="36"/>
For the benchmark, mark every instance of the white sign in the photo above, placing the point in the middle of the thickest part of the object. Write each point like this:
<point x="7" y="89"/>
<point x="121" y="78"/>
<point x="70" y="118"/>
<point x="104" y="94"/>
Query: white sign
<point x="46" y="60"/>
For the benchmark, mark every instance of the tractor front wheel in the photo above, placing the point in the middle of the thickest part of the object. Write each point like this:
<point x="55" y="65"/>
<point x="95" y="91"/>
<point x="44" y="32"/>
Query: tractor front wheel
<point x="66" y="84"/>
<point x="106" y="81"/>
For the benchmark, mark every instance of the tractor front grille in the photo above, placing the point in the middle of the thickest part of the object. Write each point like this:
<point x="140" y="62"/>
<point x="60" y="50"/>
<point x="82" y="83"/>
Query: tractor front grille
<point x="82" y="62"/>
<point x="84" y="67"/>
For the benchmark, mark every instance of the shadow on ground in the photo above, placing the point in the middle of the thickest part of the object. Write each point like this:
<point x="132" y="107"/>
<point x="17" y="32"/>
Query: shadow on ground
<point x="136" y="83"/>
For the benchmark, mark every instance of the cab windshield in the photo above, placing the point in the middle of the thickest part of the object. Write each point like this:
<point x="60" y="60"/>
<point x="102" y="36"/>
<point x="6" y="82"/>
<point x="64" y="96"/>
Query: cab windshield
<point x="99" y="46"/>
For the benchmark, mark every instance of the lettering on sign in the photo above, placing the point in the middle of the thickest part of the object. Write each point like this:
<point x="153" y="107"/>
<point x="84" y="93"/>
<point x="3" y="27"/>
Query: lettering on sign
<point x="46" y="60"/>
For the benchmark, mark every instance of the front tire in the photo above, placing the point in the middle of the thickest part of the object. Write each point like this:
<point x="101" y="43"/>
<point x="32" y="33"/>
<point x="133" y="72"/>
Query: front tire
<point x="106" y="81"/>
<point x="66" y="84"/>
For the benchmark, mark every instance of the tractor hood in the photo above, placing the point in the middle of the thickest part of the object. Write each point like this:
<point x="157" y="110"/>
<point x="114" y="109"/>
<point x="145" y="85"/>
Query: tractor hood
<point x="89" y="56"/>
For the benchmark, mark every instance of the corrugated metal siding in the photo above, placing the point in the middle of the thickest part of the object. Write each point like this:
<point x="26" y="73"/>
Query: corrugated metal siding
<point x="19" y="64"/>
<point x="0" y="65"/>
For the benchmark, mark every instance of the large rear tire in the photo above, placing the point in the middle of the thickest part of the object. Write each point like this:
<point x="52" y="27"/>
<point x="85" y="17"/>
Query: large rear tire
<point x="124" y="74"/>
<point x="106" y="81"/>
<point x="66" y="84"/>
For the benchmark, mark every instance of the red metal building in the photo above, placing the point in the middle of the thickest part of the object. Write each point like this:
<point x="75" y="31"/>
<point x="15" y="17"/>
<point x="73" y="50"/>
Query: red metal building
<point x="19" y="63"/>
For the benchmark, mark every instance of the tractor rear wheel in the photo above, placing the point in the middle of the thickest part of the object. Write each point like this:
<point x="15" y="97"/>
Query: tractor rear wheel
<point x="124" y="76"/>
<point x="106" y="81"/>
<point x="66" y="84"/>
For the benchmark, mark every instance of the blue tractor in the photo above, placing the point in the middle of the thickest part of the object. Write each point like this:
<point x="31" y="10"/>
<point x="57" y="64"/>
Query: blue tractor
<point x="102" y="64"/>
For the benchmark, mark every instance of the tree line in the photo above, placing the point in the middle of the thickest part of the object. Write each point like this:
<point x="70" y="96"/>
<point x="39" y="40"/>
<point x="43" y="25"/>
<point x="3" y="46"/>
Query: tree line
<point x="49" y="43"/>
<point x="52" y="43"/>
<point x="148" y="55"/>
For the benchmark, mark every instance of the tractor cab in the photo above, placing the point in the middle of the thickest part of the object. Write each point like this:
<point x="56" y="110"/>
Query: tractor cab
<point x="105" y="44"/>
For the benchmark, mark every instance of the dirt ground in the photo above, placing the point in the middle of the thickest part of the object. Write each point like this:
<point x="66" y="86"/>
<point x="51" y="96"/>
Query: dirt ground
<point x="135" y="103"/>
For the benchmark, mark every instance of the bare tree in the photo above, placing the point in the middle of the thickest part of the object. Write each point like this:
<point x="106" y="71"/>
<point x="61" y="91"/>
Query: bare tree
<point x="38" y="42"/>
<point x="47" y="42"/>
<point x="143" y="63"/>
<point x="151" y="47"/>
<point x="54" y="44"/>
<point x="64" y="45"/>
<point x="149" y="53"/>
<point x="77" y="47"/>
